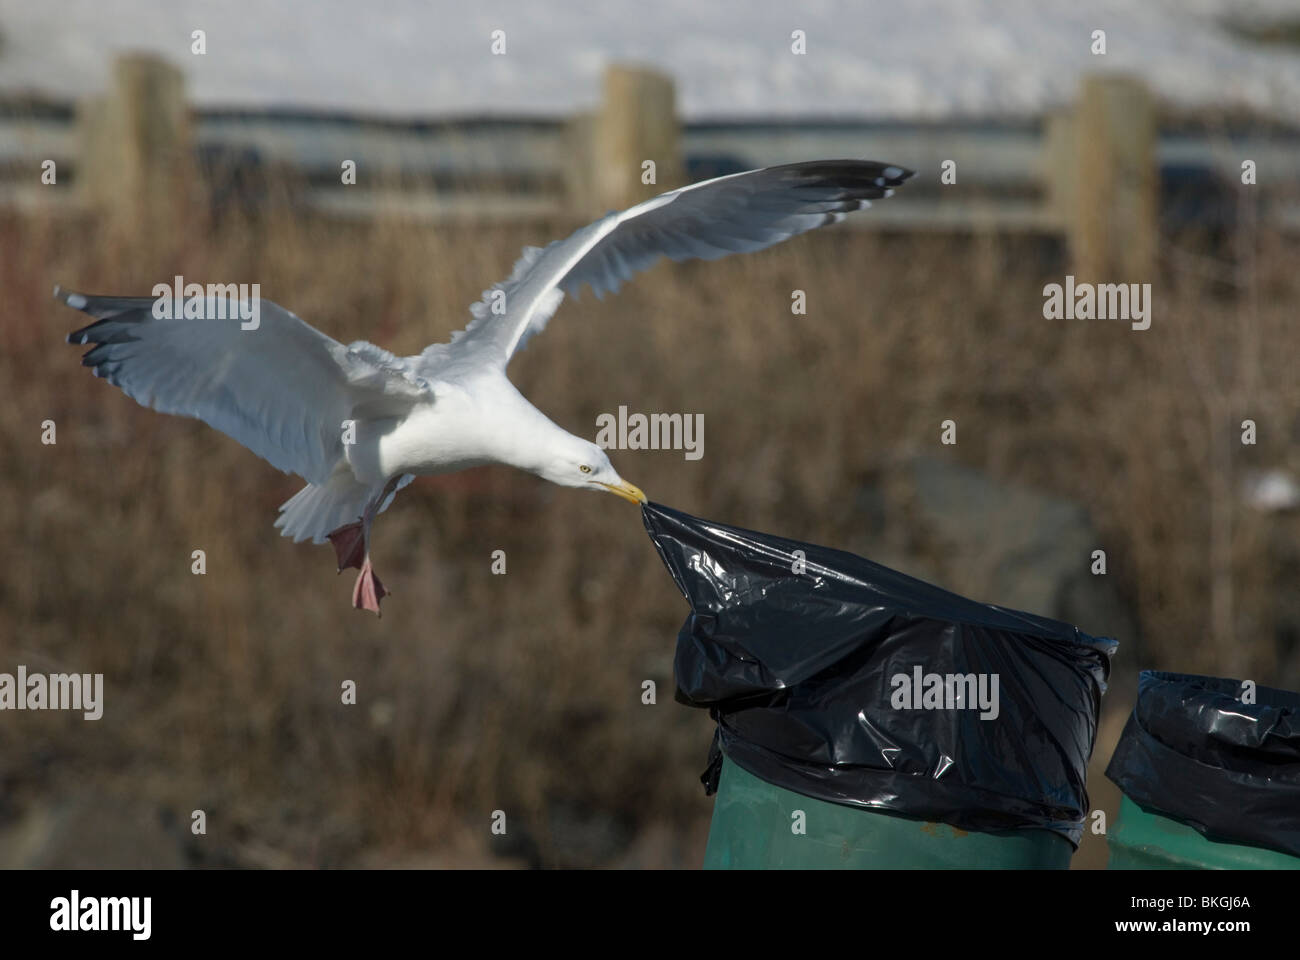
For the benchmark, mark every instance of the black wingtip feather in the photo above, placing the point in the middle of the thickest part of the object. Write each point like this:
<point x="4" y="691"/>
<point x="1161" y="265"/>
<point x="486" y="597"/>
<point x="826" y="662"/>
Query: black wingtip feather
<point x="846" y="179"/>
<point x="110" y="313"/>
<point x="64" y="296"/>
<point x="94" y="356"/>
<point x="84" y="334"/>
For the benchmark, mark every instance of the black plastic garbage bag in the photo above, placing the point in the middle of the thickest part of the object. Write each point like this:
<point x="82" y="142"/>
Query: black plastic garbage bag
<point x="808" y="659"/>
<point x="1194" y="752"/>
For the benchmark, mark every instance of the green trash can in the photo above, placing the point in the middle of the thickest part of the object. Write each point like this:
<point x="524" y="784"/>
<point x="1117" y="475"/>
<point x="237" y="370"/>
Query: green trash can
<point x="1210" y="779"/>
<point x="754" y="828"/>
<point x="1149" y="841"/>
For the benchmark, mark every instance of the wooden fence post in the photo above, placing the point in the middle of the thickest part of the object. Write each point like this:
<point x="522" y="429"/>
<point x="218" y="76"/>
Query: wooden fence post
<point x="636" y="124"/>
<point x="1104" y="165"/>
<point x="136" y="162"/>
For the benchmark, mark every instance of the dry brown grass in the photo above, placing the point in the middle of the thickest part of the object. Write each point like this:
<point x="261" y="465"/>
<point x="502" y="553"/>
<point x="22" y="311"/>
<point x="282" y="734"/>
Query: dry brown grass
<point x="522" y="692"/>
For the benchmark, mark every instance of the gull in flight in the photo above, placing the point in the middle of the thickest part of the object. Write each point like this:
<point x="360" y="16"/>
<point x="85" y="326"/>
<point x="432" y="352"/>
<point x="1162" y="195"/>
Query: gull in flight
<point x="358" y="423"/>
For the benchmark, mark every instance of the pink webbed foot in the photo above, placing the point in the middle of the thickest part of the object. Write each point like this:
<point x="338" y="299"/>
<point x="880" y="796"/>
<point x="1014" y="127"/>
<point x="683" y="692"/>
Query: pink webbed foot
<point x="349" y="543"/>
<point x="368" y="590"/>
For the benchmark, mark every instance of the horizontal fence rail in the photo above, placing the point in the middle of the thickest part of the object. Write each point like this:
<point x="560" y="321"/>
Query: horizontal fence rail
<point x="1010" y="175"/>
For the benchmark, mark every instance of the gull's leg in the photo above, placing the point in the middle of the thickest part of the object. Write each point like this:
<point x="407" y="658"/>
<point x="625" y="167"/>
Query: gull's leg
<point x="353" y="545"/>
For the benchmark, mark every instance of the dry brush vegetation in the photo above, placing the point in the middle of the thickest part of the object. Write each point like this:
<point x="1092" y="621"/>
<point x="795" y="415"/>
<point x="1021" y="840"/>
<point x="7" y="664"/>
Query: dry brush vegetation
<point x="522" y="692"/>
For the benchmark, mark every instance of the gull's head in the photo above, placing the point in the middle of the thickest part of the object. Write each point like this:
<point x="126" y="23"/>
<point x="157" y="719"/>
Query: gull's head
<point x="575" y="462"/>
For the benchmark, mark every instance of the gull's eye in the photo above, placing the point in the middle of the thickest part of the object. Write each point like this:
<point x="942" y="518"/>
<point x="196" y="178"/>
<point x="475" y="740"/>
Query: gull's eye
<point x="584" y="468"/>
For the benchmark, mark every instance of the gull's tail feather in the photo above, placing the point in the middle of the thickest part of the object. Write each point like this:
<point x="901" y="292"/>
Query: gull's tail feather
<point x="319" y="508"/>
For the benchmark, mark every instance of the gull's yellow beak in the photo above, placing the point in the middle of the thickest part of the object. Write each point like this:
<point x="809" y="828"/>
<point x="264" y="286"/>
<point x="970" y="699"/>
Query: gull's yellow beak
<point x="623" y="489"/>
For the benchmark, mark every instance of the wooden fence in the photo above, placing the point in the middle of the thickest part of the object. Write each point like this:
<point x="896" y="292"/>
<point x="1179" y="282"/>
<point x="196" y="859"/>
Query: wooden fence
<point x="1096" y="173"/>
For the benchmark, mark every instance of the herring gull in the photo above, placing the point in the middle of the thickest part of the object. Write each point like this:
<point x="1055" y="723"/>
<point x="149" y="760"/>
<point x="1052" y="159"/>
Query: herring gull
<point x="358" y="423"/>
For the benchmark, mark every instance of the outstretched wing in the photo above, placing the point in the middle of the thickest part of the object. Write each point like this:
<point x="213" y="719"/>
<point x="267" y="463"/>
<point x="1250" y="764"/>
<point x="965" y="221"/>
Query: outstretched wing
<point x="282" y="389"/>
<point x="735" y="214"/>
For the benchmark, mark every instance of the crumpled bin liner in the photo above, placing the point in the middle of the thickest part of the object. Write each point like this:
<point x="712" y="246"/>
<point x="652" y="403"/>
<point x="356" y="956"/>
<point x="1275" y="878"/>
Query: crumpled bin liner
<point x="1192" y="751"/>
<point x="799" y="670"/>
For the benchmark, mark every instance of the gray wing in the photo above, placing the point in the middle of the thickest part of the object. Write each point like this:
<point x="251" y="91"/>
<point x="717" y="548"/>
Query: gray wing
<point x="735" y="214"/>
<point x="282" y="390"/>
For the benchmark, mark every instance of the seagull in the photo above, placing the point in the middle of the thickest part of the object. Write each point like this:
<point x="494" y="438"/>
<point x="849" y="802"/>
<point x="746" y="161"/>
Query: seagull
<point x="358" y="423"/>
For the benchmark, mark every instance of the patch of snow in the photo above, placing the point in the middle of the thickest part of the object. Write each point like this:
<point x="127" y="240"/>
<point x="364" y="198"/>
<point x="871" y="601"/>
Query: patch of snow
<point x="925" y="58"/>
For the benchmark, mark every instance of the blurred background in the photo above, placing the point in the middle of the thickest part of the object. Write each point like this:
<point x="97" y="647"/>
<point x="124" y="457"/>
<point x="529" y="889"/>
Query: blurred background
<point x="127" y="157"/>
